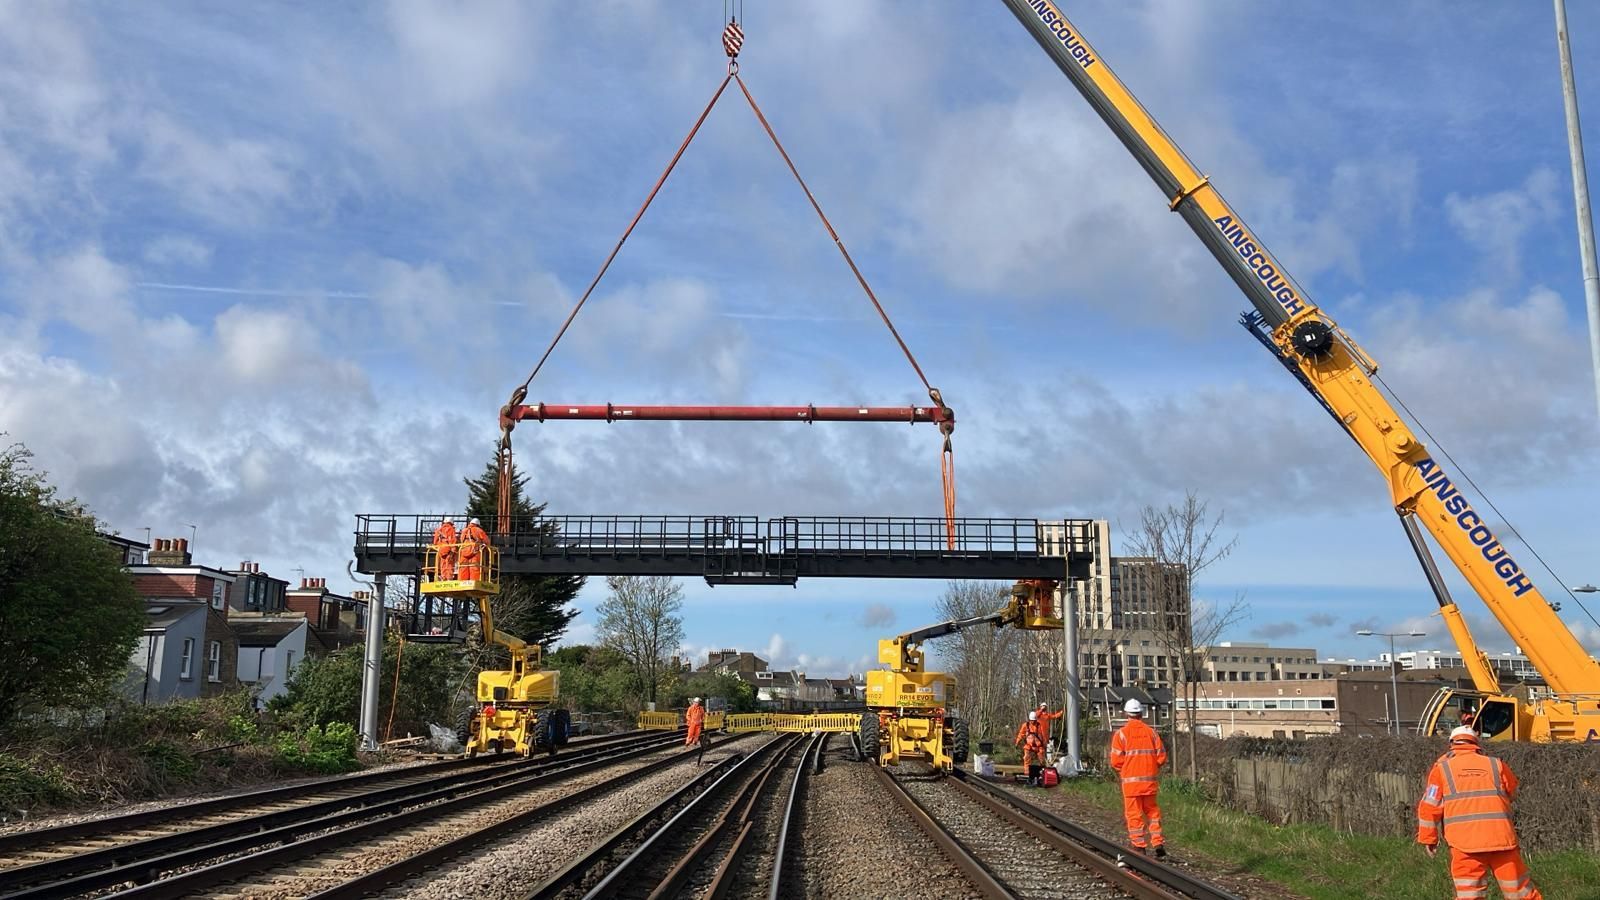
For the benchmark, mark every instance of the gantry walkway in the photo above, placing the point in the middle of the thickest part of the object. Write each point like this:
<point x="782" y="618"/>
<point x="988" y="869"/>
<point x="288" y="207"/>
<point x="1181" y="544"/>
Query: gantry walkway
<point x="751" y="549"/>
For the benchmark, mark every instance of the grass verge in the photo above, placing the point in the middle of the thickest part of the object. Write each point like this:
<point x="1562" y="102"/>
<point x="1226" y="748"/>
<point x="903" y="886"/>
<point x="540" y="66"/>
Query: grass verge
<point x="1324" y="864"/>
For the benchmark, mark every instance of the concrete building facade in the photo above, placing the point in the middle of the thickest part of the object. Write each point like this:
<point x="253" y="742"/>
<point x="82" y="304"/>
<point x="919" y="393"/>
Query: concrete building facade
<point x="1359" y="703"/>
<point x="270" y="646"/>
<point x="166" y="663"/>
<point x="1235" y="661"/>
<point x="1121" y="608"/>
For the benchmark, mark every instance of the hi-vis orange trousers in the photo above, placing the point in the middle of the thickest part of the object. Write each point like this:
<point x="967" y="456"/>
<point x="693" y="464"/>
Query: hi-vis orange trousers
<point x="1470" y="872"/>
<point x="1144" y="820"/>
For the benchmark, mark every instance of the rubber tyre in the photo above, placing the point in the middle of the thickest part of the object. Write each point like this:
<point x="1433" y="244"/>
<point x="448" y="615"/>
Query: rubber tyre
<point x="561" y="727"/>
<point x="868" y="736"/>
<point x="544" y="731"/>
<point x="960" y="741"/>
<point x="464" y="725"/>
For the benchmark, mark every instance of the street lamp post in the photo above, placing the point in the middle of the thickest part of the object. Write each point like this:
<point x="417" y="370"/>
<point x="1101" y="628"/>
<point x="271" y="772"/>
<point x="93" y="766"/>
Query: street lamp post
<point x="1394" y="664"/>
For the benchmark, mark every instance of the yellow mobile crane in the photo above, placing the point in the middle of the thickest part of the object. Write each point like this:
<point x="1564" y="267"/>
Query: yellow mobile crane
<point x="908" y="714"/>
<point x="1329" y="364"/>
<point x="515" y="709"/>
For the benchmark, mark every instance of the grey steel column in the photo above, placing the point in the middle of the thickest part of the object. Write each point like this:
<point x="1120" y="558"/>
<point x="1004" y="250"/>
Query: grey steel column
<point x="1580" y="194"/>
<point x="371" y="665"/>
<point x="1069" y="638"/>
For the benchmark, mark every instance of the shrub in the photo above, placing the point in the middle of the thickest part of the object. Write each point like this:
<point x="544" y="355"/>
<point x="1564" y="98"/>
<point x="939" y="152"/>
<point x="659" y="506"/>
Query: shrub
<point x="327" y="750"/>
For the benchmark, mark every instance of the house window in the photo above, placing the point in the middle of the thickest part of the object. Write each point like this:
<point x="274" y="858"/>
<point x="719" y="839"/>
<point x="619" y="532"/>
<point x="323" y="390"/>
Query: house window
<point x="288" y="661"/>
<point x="216" y="595"/>
<point x="214" y="662"/>
<point x="186" y="667"/>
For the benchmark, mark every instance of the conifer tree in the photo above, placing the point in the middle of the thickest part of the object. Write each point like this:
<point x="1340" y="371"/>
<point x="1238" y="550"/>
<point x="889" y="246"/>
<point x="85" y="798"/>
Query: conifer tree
<point x="532" y="607"/>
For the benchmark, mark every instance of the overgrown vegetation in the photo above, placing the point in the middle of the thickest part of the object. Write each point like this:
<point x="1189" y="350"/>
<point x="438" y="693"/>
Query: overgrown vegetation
<point x="324" y="691"/>
<point x="1321" y="862"/>
<point x="69" y="615"/>
<point x="130" y="752"/>
<point x="600" y="679"/>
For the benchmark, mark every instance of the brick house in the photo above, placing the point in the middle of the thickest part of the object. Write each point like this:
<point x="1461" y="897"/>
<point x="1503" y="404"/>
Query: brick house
<point x="169" y="575"/>
<point x="337" y="621"/>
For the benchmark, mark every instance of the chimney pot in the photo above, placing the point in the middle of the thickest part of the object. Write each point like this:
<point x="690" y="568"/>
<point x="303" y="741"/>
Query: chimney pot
<point x="183" y="544"/>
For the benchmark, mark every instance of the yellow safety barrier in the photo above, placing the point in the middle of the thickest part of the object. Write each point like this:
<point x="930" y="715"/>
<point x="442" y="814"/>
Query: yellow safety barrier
<point x="660" y="721"/>
<point x="714" y="721"/>
<point x="792" y="722"/>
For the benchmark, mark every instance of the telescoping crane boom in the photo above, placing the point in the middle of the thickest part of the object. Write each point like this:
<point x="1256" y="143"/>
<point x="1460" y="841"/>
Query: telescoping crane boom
<point x="1330" y="364"/>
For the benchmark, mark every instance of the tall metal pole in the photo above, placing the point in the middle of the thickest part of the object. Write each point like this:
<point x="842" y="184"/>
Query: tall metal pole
<point x="371" y="664"/>
<point x="1069" y="641"/>
<point x="1580" y="194"/>
<point x="1394" y="683"/>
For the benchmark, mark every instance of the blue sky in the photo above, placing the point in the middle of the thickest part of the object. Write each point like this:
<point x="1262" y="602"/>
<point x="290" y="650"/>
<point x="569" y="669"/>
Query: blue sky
<point x="264" y="269"/>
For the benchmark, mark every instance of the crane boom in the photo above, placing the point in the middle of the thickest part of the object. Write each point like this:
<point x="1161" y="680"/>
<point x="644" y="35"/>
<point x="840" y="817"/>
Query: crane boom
<point x="1333" y="365"/>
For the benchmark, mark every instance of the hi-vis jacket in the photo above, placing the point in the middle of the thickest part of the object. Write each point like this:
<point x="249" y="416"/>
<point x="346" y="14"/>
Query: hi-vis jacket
<point x="1470" y="793"/>
<point x="1138" y="755"/>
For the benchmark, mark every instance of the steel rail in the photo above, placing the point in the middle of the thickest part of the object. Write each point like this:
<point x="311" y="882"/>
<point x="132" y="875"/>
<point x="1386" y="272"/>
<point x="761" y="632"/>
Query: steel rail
<point x="398" y="806"/>
<point x="106" y="826"/>
<point x="577" y="868"/>
<point x="634" y="864"/>
<point x="980" y="877"/>
<point x="398" y="873"/>
<point x="1163" y="882"/>
<point x="740" y="812"/>
<point x="819" y="744"/>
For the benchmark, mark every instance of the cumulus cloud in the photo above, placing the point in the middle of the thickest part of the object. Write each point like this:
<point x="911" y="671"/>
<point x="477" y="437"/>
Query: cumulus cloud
<point x="1497" y="222"/>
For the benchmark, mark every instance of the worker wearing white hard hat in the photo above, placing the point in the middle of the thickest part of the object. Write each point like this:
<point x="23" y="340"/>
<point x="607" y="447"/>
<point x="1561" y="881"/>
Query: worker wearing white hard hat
<point x="474" y="547"/>
<point x="695" y="718"/>
<point x="1032" y="746"/>
<point x="1468" y="798"/>
<point x="1137" y="755"/>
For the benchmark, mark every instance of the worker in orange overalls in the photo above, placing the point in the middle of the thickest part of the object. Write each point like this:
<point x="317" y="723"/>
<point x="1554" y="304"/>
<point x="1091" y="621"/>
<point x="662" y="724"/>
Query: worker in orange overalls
<point x="444" y="546"/>
<point x="474" y="544"/>
<point x="1045" y="718"/>
<point x="1138" y="755"/>
<point x="1032" y="744"/>
<point x="695" y="718"/>
<point x="1470" y="794"/>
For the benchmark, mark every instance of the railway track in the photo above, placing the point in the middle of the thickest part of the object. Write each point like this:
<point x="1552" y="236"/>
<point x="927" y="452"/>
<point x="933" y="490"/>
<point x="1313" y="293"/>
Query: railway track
<point x="1010" y="849"/>
<point x="727" y="833"/>
<point x="170" y="857"/>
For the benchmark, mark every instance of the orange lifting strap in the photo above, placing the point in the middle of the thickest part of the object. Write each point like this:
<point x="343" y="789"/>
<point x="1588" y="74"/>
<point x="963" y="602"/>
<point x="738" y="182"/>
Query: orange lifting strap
<point x="732" y="42"/>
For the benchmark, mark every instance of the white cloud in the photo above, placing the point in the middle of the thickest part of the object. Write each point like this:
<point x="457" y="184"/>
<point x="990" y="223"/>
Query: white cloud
<point x="176" y="249"/>
<point x="1497" y="222"/>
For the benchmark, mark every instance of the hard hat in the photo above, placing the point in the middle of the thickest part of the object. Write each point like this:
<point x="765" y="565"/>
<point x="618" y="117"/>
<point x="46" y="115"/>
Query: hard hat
<point x="1133" y="708"/>
<point x="1463" y="735"/>
<point x="1041" y="706"/>
<point x="1033" y="716"/>
<point x="694" y="699"/>
<point x="474" y="521"/>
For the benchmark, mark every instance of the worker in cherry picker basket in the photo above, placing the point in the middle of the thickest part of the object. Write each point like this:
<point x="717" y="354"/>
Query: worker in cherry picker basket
<point x="474" y="546"/>
<point x="445" y="550"/>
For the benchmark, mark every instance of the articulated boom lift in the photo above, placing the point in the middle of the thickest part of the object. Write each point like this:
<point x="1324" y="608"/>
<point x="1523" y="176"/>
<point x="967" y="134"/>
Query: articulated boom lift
<point x="515" y="708"/>
<point x="1329" y="364"/>
<point x="908" y="715"/>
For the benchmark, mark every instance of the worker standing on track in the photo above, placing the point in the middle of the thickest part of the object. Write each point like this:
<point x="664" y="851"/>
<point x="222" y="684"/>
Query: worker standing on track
<point x="474" y="544"/>
<point x="695" y="718"/>
<point x="1470" y="794"/>
<point x="1032" y="744"/>
<point x="1137" y="755"/>
<point x="444" y="547"/>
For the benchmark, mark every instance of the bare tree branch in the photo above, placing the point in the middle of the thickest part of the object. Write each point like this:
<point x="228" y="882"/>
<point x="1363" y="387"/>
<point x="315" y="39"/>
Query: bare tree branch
<point x="640" y="620"/>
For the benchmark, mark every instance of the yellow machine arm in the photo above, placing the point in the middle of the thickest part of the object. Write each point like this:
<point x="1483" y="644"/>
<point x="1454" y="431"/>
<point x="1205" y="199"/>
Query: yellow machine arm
<point x="1031" y="606"/>
<point x="1328" y="362"/>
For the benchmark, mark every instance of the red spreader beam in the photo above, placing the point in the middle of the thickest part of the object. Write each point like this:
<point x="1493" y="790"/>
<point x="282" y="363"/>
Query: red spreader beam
<point x="610" y="412"/>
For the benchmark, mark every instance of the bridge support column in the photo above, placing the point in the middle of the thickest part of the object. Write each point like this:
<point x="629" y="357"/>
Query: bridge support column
<point x="1069" y="640"/>
<point x="371" y="666"/>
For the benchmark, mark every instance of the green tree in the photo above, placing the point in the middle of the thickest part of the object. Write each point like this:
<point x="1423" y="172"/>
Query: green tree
<point x="532" y="607"/>
<point x="594" y="679"/>
<point x="640" y="620"/>
<point x="327" y="689"/>
<point x="740" y="694"/>
<point x="69" y="614"/>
